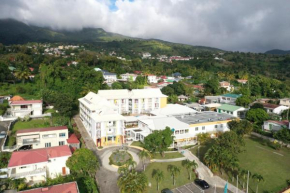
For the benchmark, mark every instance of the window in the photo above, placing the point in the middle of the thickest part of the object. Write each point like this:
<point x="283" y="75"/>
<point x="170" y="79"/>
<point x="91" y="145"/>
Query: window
<point x="62" y="135"/>
<point x="221" y="126"/>
<point x="22" y="167"/>
<point x="61" y="143"/>
<point x="136" y="100"/>
<point x="196" y="129"/>
<point x="23" y="106"/>
<point x="49" y="136"/>
<point x="181" y="131"/>
<point x="123" y="101"/>
<point x="47" y="144"/>
<point x="216" y="126"/>
<point x="203" y="127"/>
<point x="176" y="132"/>
<point x="186" y="130"/>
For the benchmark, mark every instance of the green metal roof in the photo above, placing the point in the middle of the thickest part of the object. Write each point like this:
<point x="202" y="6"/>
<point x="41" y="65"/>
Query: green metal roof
<point x="227" y="107"/>
<point x="232" y="95"/>
<point x="11" y="68"/>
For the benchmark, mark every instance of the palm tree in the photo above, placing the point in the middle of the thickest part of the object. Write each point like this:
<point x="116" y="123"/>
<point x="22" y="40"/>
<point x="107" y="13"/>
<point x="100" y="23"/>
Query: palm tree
<point x="190" y="166"/>
<point x="143" y="155"/>
<point x="131" y="164"/>
<point x="133" y="182"/>
<point x="174" y="171"/>
<point x="244" y="174"/>
<point x="22" y="73"/>
<point x="258" y="178"/>
<point x="124" y="170"/>
<point x="158" y="175"/>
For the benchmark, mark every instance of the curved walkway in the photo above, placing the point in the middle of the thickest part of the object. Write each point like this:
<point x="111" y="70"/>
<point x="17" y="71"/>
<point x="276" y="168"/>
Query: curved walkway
<point x="169" y="160"/>
<point x="108" y="153"/>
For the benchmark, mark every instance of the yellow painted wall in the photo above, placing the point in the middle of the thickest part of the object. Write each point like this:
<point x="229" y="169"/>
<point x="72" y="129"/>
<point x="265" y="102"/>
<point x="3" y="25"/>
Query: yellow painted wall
<point x="120" y="137"/>
<point x="163" y="102"/>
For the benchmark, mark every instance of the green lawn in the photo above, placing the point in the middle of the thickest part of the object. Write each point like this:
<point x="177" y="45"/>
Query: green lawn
<point x="261" y="159"/>
<point x="181" y="179"/>
<point x="49" y="111"/>
<point x="19" y="125"/>
<point x="136" y="143"/>
<point x="167" y="155"/>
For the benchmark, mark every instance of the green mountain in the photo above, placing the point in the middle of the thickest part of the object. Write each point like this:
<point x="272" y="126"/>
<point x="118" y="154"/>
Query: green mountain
<point x="15" y="32"/>
<point x="278" y="52"/>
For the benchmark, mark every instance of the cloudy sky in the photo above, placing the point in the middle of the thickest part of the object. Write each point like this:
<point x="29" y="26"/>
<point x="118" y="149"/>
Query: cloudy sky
<point x="244" y="25"/>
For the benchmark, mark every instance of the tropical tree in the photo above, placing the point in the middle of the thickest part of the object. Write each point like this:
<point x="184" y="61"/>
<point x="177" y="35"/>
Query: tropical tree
<point x="258" y="178"/>
<point x="190" y="166"/>
<point x="83" y="162"/>
<point x="143" y="155"/>
<point x="174" y="171"/>
<point x="133" y="182"/>
<point x="22" y="73"/>
<point x="158" y="176"/>
<point x="244" y="174"/>
<point x="131" y="164"/>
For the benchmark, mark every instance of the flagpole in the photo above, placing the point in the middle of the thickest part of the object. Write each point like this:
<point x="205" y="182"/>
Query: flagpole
<point x="248" y="181"/>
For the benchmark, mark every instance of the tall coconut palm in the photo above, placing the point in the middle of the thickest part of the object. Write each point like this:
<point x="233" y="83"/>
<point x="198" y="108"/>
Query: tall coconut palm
<point x="133" y="182"/>
<point x="174" y="171"/>
<point x="22" y="73"/>
<point x="244" y="174"/>
<point x="258" y="178"/>
<point x="190" y="166"/>
<point x="144" y="155"/>
<point x="158" y="176"/>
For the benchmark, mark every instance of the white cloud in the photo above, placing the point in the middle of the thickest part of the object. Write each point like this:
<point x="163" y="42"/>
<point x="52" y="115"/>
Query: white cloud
<point x="228" y="24"/>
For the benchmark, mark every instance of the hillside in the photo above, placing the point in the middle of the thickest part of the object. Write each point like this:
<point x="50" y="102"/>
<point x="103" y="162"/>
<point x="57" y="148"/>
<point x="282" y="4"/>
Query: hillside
<point x="15" y="32"/>
<point x="278" y="52"/>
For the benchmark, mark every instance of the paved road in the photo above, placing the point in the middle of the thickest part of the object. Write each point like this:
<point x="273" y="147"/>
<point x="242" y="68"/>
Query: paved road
<point x="206" y="174"/>
<point x="106" y="180"/>
<point x="192" y="188"/>
<point x="3" y="127"/>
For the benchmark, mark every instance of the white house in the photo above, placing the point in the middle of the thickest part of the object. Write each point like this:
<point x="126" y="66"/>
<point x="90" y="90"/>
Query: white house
<point x="272" y="125"/>
<point x="109" y="77"/>
<point x="25" y="107"/>
<point x="152" y="78"/>
<point x="146" y="55"/>
<point x="285" y="102"/>
<point x="233" y="110"/>
<point x="129" y="77"/>
<point x="42" y="137"/>
<point x="272" y="108"/>
<point x="229" y="98"/>
<point x="38" y="164"/>
<point x="226" y="85"/>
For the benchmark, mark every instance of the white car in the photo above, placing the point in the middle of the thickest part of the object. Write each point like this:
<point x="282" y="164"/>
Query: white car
<point x="2" y="134"/>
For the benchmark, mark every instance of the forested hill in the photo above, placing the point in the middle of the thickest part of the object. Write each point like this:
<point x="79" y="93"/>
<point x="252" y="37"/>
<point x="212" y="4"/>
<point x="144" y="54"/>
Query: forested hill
<point x="278" y="52"/>
<point x="15" y="32"/>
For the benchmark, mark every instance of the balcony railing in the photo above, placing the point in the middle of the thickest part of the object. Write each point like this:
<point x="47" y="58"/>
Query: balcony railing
<point x="38" y="171"/>
<point x="30" y="141"/>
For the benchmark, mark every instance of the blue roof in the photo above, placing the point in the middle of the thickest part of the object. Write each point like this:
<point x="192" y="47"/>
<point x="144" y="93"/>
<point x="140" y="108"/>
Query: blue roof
<point x="232" y="95"/>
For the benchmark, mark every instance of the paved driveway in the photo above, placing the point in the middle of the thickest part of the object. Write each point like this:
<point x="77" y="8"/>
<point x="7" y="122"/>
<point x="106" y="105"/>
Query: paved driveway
<point x="3" y="127"/>
<point x="192" y="188"/>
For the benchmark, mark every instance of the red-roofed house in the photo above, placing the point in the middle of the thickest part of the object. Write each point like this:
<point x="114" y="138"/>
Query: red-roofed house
<point x="42" y="137"/>
<point x="242" y="81"/>
<point x="272" y="108"/>
<point x="73" y="141"/>
<point x="38" y="164"/>
<point x="21" y="108"/>
<point x="272" y="125"/>
<point x="70" y="187"/>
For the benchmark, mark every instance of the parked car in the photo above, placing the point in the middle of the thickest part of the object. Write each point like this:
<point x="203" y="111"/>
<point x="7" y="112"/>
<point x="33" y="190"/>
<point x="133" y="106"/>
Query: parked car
<point x="166" y="190"/>
<point x="201" y="183"/>
<point x="2" y="134"/>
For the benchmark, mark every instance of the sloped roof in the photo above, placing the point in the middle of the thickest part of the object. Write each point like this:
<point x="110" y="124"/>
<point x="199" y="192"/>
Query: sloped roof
<point x="24" y="102"/>
<point x="231" y="95"/>
<point x="228" y="107"/>
<point x="27" y="157"/>
<point x="17" y="98"/>
<point x="270" y="106"/>
<point x="70" y="187"/>
<point x="284" y="122"/>
<point x="42" y="129"/>
<point x="72" y="139"/>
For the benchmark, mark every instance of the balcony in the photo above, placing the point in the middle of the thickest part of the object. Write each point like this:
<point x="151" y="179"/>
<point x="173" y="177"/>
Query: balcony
<point x="30" y="141"/>
<point x="39" y="171"/>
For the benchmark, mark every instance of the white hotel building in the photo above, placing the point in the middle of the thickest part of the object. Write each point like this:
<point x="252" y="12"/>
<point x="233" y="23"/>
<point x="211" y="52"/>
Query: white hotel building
<point x="101" y="113"/>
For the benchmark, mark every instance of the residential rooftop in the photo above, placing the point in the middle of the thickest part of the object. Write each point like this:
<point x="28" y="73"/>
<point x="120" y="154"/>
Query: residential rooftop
<point x="228" y="107"/>
<point x="42" y="129"/>
<point x="70" y="187"/>
<point x="204" y="117"/>
<point x="33" y="156"/>
<point x="131" y="94"/>
<point x="231" y="95"/>
<point x="173" y="109"/>
<point x="25" y="102"/>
